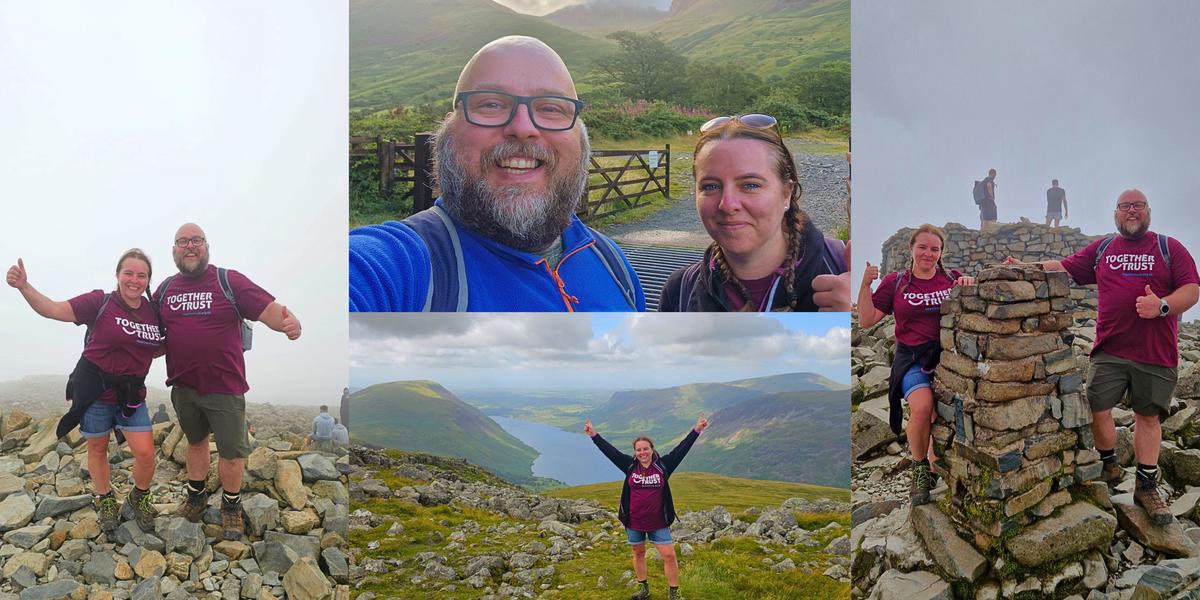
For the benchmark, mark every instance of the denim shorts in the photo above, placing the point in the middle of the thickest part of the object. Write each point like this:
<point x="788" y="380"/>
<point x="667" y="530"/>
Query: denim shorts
<point x="915" y="379"/>
<point x="101" y="417"/>
<point x="659" y="536"/>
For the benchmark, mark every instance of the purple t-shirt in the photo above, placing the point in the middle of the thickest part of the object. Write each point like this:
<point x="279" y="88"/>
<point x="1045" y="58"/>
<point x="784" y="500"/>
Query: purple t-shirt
<point x="917" y="308"/>
<point x="204" y="340"/>
<point x="646" y="498"/>
<point x="1125" y="269"/>
<point x="122" y="340"/>
<point x="758" y="288"/>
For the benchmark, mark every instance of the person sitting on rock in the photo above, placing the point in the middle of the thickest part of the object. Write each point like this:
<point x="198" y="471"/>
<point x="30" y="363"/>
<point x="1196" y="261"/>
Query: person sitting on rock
<point x="160" y="416"/>
<point x="107" y="389"/>
<point x="1144" y="282"/>
<point x="915" y="297"/>
<point x="646" y="507"/>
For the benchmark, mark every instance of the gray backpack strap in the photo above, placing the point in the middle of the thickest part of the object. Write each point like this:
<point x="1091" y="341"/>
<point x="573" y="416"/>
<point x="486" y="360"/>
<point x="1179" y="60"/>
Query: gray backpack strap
<point x="247" y="330"/>
<point x="1164" y="249"/>
<point x="87" y="333"/>
<point x="1100" y="251"/>
<point x="687" y="283"/>
<point x="609" y="255"/>
<point x="447" y="272"/>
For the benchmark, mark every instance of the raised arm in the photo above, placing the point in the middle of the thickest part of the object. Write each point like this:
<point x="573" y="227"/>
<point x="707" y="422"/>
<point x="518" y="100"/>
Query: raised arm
<point x="278" y="317"/>
<point x="868" y="315"/>
<point x="19" y="279"/>
<point x="618" y="458"/>
<point x="675" y="456"/>
<point x="1047" y="265"/>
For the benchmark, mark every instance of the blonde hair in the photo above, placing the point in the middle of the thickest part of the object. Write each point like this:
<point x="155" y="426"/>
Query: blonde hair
<point x="912" y="240"/>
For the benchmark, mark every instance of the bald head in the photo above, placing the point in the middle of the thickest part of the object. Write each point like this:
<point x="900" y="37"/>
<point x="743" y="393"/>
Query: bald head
<point x="189" y="230"/>
<point x="519" y="65"/>
<point x="192" y="257"/>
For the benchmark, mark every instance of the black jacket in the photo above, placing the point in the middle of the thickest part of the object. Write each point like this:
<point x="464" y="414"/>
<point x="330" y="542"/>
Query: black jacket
<point x="708" y="293"/>
<point x="927" y="355"/>
<point x="667" y="463"/>
<point x="87" y="383"/>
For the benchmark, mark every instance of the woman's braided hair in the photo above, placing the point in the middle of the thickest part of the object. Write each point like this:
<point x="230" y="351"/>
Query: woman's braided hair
<point x="794" y="219"/>
<point x="912" y="240"/>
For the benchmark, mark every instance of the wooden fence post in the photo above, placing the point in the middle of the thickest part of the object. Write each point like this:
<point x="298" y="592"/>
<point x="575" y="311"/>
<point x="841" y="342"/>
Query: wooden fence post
<point x="668" y="165"/>
<point x="422" y="191"/>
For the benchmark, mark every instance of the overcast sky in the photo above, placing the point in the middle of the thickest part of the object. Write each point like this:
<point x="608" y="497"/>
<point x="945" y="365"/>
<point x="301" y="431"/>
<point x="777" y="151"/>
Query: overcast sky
<point x="544" y="7"/>
<point x="121" y="121"/>
<point x="522" y="351"/>
<point x="1101" y="96"/>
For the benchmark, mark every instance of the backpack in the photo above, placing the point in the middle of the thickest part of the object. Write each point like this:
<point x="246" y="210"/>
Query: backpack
<point x="833" y="255"/>
<point x="247" y="331"/>
<point x="448" y="274"/>
<point x="323" y="428"/>
<point x="980" y="192"/>
<point x="1163" y="248"/>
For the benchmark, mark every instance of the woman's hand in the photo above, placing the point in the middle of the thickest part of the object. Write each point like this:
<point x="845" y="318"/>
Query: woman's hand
<point x="701" y="424"/>
<point x="964" y="280"/>
<point x="871" y="274"/>
<point x="588" y="429"/>
<point x="831" y="293"/>
<point x="17" y="277"/>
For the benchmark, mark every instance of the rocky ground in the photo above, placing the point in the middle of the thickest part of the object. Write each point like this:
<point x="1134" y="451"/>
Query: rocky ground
<point x="296" y="504"/>
<point x="1143" y="560"/>
<point x="486" y="539"/>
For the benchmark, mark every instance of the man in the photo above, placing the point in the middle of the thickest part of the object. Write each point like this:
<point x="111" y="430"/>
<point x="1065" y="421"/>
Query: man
<point x="341" y="435"/>
<point x="511" y="160"/>
<point x="1145" y="281"/>
<point x="321" y="437"/>
<point x="987" y="208"/>
<point x="1056" y="203"/>
<point x="344" y="407"/>
<point x="206" y="370"/>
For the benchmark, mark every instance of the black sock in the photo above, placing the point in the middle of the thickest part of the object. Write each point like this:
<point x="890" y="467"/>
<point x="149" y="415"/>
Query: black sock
<point x="1108" y="456"/>
<point x="105" y="495"/>
<point x="231" y="498"/>
<point x="644" y="583"/>
<point x="923" y="461"/>
<point x="1147" y="475"/>
<point x="139" y="492"/>
<point x="195" y="487"/>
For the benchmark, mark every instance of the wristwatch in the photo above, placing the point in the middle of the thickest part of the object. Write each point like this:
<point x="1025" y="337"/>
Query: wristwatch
<point x="1164" y="309"/>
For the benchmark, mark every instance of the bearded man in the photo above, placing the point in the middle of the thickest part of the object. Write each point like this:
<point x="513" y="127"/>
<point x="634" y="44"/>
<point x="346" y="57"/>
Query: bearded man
<point x="1144" y="282"/>
<point x="511" y="160"/>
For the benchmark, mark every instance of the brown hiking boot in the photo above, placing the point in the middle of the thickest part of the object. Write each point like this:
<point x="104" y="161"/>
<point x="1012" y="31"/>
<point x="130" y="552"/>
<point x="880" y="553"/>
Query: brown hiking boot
<point x="233" y="524"/>
<point x="138" y="508"/>
<point x="1149" y="499"/>
<point x="1111" y="473"/>
<point x="193" y="507"/>
<point x="922" y="482"/>
<point x="106" y="511"/>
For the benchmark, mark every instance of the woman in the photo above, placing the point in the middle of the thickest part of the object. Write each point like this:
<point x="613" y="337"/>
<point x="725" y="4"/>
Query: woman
<point x="766" y="255"/>
<point x="646" y="507"/>
<point x="915" y="297"/>
<point x="107" y="388"/>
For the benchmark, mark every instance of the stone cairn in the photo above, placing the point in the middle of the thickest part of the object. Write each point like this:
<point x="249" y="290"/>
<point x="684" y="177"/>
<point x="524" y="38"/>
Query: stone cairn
<point x="1012" y="432"/>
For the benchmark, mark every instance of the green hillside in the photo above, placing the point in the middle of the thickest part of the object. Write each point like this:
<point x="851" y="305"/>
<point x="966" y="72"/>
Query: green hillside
<point x="411" y="52"/>
<point x="702" y="491"/>
<point x="598" y="20"/>
<point x="789" y="382"/>
<point x="424" y="416"/>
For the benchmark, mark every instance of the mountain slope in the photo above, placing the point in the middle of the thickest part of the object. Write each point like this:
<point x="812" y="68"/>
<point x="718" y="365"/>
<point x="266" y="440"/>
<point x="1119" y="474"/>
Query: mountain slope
<point x="598" y="20"/>
<point x="424" y="416"/>
<point x="703" y="491"/>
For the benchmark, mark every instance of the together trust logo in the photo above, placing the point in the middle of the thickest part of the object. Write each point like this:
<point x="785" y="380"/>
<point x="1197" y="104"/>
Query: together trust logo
<point x="932" y="300"/>
<point x="190" y="301"/>
<point x="651" y="479"/>
<point x="1130" y="262"/>
<point x="141" y="331"/>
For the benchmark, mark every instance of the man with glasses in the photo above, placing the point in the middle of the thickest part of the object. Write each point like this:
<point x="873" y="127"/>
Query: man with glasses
<point x="1145" y="281"/>
<point x="206" y="370"/>
<point x="512" y="164"/>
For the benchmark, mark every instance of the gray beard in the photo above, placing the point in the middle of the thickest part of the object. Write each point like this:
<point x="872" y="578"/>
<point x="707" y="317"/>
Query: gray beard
<point x="200" y="267"/>
<point x="1139" y="232"/>
<point x="512" y="216"/>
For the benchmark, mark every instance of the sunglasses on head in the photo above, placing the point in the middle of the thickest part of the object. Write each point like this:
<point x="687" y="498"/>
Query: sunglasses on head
<point x="753" y="121"/>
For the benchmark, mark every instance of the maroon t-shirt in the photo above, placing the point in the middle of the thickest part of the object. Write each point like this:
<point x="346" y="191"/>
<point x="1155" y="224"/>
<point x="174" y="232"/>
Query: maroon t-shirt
<point x="646" y="498"/>
<point x="122" y="340"/>
<point x="758" y="288"/>
<point x="918" y="307"/>
<point x="1125" y="269"/>
<point x="204" y="340"/>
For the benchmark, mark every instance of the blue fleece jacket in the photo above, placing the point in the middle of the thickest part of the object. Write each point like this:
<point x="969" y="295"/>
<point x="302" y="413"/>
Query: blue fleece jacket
<point x="390" y="272"/>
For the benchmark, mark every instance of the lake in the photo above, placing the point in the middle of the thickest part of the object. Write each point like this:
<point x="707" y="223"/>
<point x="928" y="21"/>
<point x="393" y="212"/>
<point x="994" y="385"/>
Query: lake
<point x="571" y="458"/>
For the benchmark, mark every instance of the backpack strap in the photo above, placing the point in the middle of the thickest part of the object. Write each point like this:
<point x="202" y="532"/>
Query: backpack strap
<point x="161" y="292"/>
<point x="223" y="280"/>
<point x="87" y="333"/>
<point x="687" y="283"/>
<point x="1164" y="248"/>
<point x="447" y="273"/>
<point x="610" y="257"/>
<point x="1100" y="251"/>
<point x="834" y="256"/>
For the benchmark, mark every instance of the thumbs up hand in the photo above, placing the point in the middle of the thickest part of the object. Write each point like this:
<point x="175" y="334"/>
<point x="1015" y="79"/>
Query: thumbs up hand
<point x="1149" y="306"/>
<point x="701" y="424"/>
<point x="290" y="325"/>
<point x="16" y="275"/>
<point x="588" y="429"/>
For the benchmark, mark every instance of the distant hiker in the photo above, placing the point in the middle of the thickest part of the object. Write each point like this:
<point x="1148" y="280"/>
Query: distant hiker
<point x="160" y="416"/>
<point x="107" y="389"/>
<point x="341" y="435"/>
<point x="204" y="310"/>
<point x="1145" y="281"/>
<point x="766" y="255"/>
<point x="987" y="205"/>
<point x="1056" y="203"/>
<point x="321" y="437"/>
<point x="512" y="164"/>
<point x="344" y="407"/>
<point x="915" y="296"/>
<point x="646" y="508"/>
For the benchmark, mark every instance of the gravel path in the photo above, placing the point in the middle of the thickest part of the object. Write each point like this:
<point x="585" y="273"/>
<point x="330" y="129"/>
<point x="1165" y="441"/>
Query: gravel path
<point x="822" y="176"/>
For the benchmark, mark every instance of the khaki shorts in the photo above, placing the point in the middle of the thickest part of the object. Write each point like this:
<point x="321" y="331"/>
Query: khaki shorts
<point x="222" y="415"/>
<point x="1149" y="387"/>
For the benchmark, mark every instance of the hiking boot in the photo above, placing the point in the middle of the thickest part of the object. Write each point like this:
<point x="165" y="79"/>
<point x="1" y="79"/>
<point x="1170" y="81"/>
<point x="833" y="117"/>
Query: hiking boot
<point x="922" y="482"/>
<point x="1111" y="473"/>
<point x="137" y="507"/>
<point x="106" y="511"/>
<point x="193" y="507"/>
<point x="1148" y="498"/>
<point x="673" y="594"/>
<point x="643" y="593"/>
<point x="233" y="524"/>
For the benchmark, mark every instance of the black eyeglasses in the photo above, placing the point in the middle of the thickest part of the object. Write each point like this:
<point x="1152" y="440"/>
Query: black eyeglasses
<point x="1126" y="206"/>
<point x="486" y="108"/>
<point x="753" y="121"/>
<point x="190" y="242"/>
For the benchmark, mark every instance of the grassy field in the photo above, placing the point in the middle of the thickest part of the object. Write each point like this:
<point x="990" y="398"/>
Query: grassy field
<point x="730" y="569"/>
<point x="703" y="491"/>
